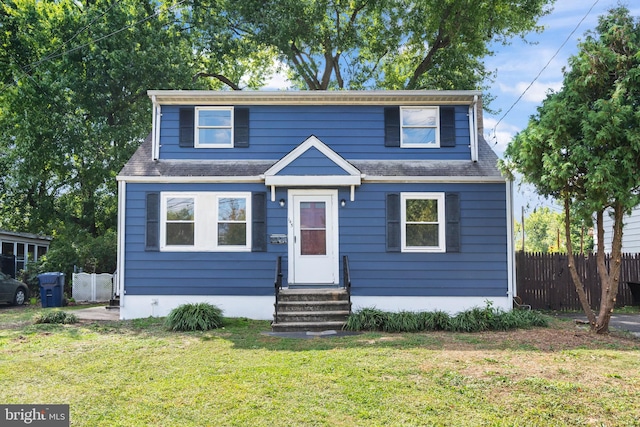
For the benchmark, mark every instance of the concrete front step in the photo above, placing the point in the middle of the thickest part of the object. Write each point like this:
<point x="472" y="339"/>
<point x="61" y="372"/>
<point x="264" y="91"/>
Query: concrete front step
<point x="285" y="306"/>
<point x="313" y="295"/>
<point x="307" y="326"/>
<point x="313" y="316"/>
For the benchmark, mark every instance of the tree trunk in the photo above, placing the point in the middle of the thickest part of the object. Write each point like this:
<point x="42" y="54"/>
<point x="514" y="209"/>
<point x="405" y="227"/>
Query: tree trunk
<point x="577" y="282"/>
<point x="609" y="278"/>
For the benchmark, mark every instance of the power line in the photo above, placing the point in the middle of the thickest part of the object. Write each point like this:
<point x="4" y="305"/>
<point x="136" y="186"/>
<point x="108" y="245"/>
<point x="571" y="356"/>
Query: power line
<point x="543" y="69"/>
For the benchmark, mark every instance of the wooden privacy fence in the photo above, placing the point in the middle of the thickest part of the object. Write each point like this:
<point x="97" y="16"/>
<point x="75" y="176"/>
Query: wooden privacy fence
<point x="544" y="281"/>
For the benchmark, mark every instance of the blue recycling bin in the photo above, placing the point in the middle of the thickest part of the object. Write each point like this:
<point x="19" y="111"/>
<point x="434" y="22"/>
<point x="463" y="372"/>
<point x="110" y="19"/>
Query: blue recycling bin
<point x="51" y="289"/>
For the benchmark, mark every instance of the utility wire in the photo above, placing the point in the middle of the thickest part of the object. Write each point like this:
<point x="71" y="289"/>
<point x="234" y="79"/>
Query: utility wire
<point x="542" y="70"/>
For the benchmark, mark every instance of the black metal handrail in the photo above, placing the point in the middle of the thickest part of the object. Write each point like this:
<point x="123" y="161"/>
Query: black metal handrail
<point x="347" y="278"/>
<point x="278" y="284"/>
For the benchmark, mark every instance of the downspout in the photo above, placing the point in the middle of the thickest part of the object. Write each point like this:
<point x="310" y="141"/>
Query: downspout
<point x="155" y="126"/>
<point x="120" y="265"/>
<point x="511" y="256"/>
<point x="473" y="127"/>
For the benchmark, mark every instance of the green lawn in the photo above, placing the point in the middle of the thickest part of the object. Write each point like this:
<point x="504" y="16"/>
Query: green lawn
<point x="135" y="373"/>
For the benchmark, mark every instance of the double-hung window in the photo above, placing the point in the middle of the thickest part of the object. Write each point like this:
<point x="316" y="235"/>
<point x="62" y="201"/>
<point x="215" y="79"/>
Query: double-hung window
<point x="205" y="221"/>
<point x="423" y="222"/>
<point x="214" y="127"/>
<point x="419" y="127"/>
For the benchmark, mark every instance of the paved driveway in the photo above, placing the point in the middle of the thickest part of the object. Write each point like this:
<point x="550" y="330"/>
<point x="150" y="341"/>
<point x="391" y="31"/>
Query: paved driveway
<point x="623" y="322"/>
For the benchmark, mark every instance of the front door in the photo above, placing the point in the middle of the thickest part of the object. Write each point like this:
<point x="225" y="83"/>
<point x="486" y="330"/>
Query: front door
<point x="313" y="237"/>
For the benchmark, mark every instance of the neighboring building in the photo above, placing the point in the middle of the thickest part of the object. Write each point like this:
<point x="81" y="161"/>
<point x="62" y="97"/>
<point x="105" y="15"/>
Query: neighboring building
<point x="18" y="249"/>
<point x="401" y="182"/>
<point x="630" y="232"/>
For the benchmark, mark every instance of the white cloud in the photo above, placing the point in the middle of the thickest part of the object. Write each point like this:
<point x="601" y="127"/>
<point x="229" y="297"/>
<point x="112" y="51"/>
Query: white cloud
<point x="536" y="93"/>
<point x="278" y="80"/>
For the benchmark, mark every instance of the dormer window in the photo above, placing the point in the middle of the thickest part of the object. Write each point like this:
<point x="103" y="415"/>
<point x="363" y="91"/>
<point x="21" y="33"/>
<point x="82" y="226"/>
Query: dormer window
<point x="419" y="127"/>
<point x="214" y="127"/>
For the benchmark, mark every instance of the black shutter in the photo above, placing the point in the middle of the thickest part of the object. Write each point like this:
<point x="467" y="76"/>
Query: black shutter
<point x="241" y="128"/>
<point x="392" y="127"/>
<point x="393" y="222"/>
<point x="447" y="127"/>
<point x="259" y="222"/>
<point x="152" y="234"/>
<point x="452" y="218"/>
<point x="186" y="127"/>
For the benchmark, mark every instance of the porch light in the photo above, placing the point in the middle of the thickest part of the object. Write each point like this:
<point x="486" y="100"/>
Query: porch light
<point x="281" y="203"/>
<point x="343" y="203"/>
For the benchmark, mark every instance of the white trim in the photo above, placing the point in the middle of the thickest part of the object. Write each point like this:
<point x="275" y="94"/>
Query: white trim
<point x="310" y="180"/>
<point x="511" y="255"/>
<point x="141" y="306"/>
<point x="261" y="179"/>
<point x="436" y="179"/>
<point x="197" y="127"/>
<point x="399" y="97"/>
<point x="439" y="198"/>
<point x="451" y="305"/>
<point x="121" y="239"/>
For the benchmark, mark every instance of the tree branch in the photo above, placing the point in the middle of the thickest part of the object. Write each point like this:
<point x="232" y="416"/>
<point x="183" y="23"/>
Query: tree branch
<point x="220" y="77"/>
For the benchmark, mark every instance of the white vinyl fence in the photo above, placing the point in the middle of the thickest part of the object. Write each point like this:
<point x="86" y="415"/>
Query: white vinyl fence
<point x="92" y="287"/>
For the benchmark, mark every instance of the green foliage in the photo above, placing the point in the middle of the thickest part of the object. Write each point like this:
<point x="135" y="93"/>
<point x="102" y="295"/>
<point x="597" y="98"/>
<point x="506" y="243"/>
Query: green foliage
<point x="55" y="316"/>
<point x="386" y="44"/>
<point x="543" y="229"/>
<point x="194" y="317"/>
<point x="476" y="319"/>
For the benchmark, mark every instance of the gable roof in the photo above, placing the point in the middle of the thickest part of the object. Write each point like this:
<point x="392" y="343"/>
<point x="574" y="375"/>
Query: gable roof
<point x="337" y="171"/>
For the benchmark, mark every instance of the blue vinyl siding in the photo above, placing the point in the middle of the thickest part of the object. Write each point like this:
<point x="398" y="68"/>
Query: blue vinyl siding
<point x="479" y="269"/>
<point x="354" y="132"/>
<point x="312" y="162"/>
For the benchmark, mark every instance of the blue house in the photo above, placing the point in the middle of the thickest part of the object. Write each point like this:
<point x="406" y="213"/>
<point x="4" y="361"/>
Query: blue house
<point x="238" y="197"/>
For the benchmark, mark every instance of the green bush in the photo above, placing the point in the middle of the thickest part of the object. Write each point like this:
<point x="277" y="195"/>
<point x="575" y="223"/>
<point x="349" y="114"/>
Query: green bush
<point x="476" y="319"/>
<point x="56" y="316"/>
<point x="366" y="319"/>
<point x="194" y="317"/>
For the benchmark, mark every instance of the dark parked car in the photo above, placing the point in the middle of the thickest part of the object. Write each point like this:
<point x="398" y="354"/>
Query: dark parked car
<point x="12" y="291"/>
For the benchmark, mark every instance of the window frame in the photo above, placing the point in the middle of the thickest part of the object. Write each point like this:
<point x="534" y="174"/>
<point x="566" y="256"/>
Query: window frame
<point x="436" y="127"/>
<point x="206" y="209"/>
<point x="197" y="127"/>
<point x="442" y="241"/>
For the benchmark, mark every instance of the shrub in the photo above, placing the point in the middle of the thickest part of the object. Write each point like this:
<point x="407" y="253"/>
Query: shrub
<point x="476" y="319"/>
<point x="56" y="316"/>
<point x="193" y="317"/>
<point x="366" y="319"/>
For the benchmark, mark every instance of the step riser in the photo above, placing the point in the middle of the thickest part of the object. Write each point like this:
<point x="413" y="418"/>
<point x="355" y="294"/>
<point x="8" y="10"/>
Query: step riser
<point x="311" y="317"/>
<point x="301" y="297"/>
<point x="312" y="306"/>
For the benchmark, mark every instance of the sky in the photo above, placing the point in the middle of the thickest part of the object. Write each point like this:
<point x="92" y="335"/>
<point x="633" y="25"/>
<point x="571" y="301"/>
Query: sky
<point x="539" y="66"/>
<point x="526" y="71"/>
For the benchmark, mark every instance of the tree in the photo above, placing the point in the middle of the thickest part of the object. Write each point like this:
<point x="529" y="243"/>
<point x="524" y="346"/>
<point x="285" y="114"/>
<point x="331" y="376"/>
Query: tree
<point x="73" y="100"/>
<point x="390" y="44"/>
<point x="583" y="146"/>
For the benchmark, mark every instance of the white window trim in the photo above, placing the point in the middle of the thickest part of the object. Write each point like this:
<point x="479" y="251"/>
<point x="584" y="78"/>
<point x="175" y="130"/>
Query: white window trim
<point x="436" y="127"/>
<point x="440" y="198"/>
<point x="197" y="127"/>
<point x="205" y="222"/>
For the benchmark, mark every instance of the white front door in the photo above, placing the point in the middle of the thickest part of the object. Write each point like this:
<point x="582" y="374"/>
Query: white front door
<point x="313" y="237"/>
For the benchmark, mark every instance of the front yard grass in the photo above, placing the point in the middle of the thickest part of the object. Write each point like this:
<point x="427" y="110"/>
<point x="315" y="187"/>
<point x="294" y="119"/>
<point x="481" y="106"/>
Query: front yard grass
<point x="135" y="373"/>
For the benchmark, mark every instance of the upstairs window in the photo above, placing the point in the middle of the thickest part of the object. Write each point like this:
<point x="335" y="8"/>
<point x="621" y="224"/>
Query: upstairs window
<point x="419" y="127"/>
<point x="214" y="127"/>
